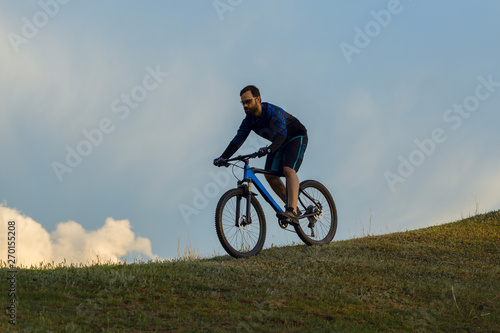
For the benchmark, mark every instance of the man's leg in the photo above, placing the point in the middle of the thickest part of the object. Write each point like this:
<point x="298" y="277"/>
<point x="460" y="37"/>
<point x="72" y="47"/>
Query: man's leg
<point x="293" y="155"/>
<point x="292" y="187"/>
<point x="277" y="186"/>
<point x="289" y="158"/>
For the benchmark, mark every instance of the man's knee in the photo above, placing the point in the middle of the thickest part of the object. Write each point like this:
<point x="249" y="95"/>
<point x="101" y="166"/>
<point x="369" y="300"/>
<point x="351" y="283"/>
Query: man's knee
<point x="271" y="178"/>
<point x="288" y="171"/>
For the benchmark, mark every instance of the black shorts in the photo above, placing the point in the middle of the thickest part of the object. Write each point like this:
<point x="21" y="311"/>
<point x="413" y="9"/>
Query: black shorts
<point x="290" y="154"/>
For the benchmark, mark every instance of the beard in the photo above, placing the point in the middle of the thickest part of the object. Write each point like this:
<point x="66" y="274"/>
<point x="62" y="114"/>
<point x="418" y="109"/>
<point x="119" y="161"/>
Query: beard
<point x="251" y="110"/>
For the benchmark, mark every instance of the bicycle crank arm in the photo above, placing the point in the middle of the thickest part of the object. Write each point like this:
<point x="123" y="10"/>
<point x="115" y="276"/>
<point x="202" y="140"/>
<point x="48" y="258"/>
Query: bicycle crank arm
<point x="286" y="221"/>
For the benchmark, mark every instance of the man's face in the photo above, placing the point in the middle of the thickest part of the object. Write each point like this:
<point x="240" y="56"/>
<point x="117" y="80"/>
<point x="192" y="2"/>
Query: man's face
<point x="250" y="104"/>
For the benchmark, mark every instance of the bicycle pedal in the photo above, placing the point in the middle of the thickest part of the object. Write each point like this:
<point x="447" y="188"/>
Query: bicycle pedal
<point x="291" y="222"/>
<point x="283" y="217"/>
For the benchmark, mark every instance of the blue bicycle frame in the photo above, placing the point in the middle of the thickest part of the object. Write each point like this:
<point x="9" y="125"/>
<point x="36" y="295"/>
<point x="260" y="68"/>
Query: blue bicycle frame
<point x="249" y="176"/>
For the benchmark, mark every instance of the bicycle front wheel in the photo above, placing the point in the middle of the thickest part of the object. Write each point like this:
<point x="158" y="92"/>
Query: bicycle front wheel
<point x="317" y="203"/>
<point x="240" y="235"/>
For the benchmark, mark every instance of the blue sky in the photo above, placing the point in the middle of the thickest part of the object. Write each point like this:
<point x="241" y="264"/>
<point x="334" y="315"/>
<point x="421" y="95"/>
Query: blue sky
<point x="383" y="112"/>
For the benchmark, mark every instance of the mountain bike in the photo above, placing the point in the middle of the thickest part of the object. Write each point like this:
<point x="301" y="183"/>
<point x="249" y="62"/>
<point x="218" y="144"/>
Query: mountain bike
<point x="240" y="222"/>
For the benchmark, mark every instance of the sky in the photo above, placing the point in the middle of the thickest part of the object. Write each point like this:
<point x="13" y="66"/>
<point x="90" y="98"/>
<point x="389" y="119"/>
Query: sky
<point x="111" y="114"/>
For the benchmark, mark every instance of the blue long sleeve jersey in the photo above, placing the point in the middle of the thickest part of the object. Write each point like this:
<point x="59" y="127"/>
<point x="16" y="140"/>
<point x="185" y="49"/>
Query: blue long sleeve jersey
<point x="275" y="125"/>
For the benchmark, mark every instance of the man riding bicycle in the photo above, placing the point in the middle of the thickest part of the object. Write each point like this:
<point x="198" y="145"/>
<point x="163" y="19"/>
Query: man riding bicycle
<point x="284" y="155"/>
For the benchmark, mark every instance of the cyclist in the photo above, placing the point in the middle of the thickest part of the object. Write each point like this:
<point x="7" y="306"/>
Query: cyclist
<point x="285" y="153"/>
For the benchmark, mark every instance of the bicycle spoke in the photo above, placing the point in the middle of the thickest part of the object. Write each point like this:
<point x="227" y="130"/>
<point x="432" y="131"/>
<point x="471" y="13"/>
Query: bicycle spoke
<point x="242" y="238"/>
<point x="320" y="227"/>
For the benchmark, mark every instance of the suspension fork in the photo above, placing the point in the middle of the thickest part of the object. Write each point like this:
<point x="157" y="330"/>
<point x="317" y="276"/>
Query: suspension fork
<point x="249" y="199"/>
<point x="247" y="194"/>
<point x="237" y="215"/>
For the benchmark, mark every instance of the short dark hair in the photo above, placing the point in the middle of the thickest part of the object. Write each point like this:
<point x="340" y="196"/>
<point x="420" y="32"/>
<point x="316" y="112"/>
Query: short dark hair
<point x="253" y="89"/>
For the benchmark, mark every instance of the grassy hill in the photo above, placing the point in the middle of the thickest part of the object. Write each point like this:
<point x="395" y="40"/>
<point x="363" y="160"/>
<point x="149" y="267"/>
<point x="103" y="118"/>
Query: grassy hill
<point x="438" y="279"/>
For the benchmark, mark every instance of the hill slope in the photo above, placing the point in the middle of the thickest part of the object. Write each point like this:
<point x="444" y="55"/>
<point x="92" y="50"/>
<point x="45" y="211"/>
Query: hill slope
<point x="443" y="278"/>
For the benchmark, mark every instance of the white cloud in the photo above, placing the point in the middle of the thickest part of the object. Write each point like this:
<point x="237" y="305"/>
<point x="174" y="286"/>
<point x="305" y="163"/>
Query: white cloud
<point x="112" y="241"/>
<point x="32" y="241"/>
<point x="70" y="242"/>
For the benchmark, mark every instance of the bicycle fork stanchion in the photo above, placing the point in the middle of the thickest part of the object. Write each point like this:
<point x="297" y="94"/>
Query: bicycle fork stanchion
<point x="249" y="200"/>
<point x="237" y="215"/>
<point x="247" y="192"/>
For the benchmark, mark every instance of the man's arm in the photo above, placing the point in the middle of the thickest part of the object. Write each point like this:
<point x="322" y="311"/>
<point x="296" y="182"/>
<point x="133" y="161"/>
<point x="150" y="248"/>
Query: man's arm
<point x="238" y="140"/>
<point x="278" y="125"/>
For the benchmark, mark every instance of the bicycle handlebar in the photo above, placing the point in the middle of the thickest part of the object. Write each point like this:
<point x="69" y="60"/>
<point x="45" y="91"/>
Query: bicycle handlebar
<point x="243" y="157"/>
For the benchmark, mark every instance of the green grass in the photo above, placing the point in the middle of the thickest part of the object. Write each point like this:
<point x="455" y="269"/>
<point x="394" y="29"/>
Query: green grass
<point x="438" y="279"/>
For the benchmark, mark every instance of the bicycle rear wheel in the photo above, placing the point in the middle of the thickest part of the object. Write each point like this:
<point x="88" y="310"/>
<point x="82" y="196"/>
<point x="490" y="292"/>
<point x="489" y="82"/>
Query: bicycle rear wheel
<point x="321" y="226"/>
<point x="239" y="236"/>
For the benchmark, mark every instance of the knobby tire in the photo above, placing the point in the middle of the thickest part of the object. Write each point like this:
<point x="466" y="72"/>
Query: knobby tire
<point x="245" y="241"/>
